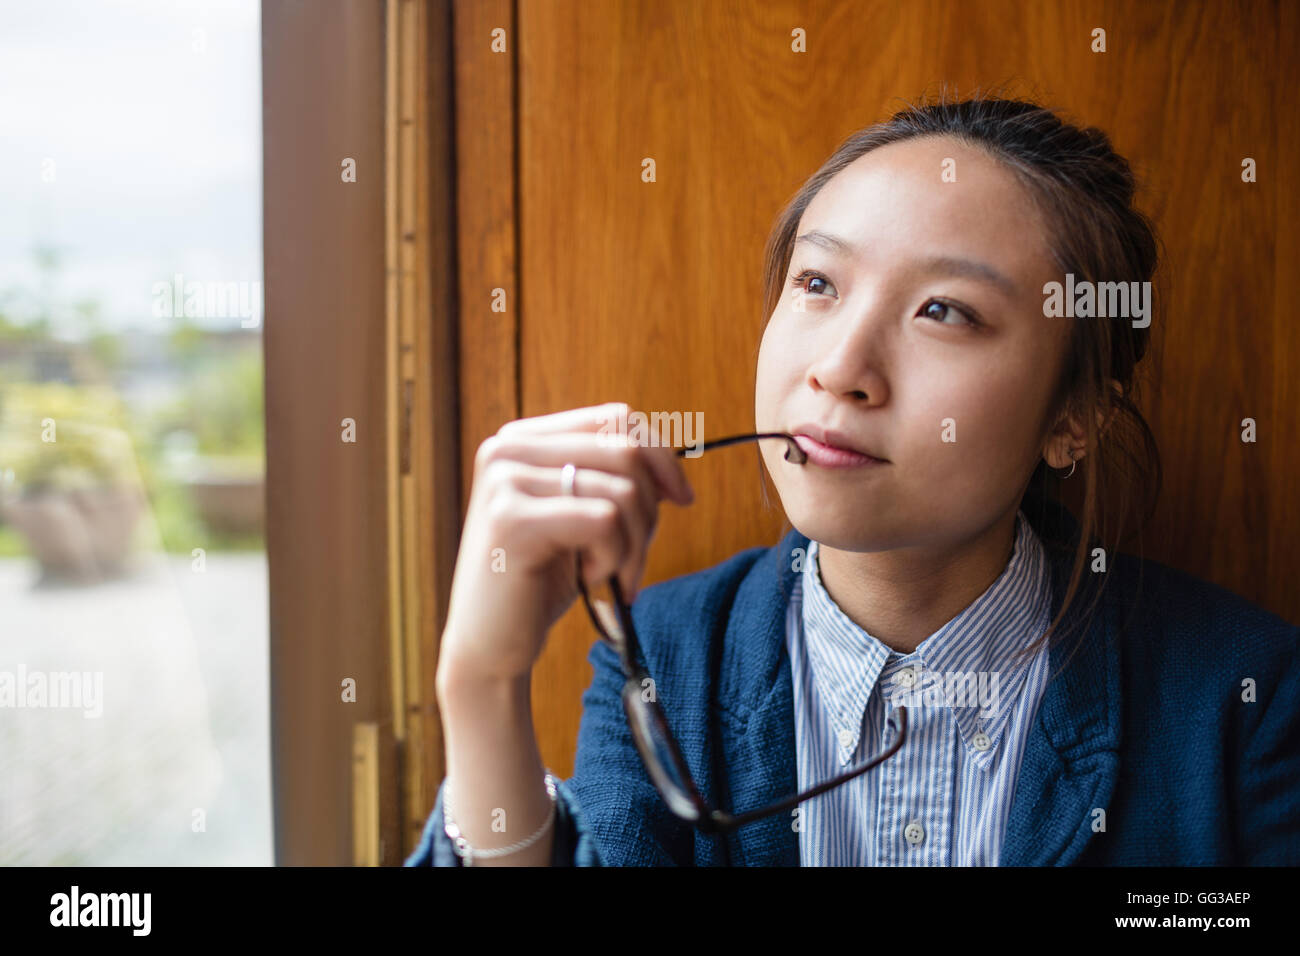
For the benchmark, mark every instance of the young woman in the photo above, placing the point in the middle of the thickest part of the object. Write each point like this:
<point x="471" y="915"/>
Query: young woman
<point x="1121" y="712"/>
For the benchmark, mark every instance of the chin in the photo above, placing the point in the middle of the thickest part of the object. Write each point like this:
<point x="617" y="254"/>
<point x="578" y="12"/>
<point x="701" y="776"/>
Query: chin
<point x="842" y="532"/>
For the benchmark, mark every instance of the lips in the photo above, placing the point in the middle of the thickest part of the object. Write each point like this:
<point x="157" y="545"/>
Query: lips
<point x="830" y="441"/>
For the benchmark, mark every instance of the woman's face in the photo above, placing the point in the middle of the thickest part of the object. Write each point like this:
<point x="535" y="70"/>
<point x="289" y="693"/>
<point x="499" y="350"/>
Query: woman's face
<point x="876" y="342"/>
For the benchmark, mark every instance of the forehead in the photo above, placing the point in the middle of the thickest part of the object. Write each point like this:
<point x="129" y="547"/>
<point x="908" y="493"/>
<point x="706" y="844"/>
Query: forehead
<point x="896" y="202"/>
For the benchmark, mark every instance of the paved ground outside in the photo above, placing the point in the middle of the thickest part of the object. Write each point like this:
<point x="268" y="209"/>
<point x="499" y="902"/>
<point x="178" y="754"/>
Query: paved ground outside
<point x="184" y="724"/>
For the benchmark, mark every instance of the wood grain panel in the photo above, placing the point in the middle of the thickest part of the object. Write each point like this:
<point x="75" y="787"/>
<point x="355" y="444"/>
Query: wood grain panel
<point x="1283" y="381"/>
<point x="423" y="373"/>
<point x="486" y="224"/>
<point x="435" y="433"/>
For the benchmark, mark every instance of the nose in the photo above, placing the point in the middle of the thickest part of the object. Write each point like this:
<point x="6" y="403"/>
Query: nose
<point x="849" y="366"/>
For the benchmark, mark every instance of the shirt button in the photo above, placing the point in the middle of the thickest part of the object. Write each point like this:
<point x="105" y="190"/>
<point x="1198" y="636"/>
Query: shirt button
<point x="914" y="833"/>
<point x="846" y="738"/>
<point x="981" y="741"/>
<point x="907" y="677"/>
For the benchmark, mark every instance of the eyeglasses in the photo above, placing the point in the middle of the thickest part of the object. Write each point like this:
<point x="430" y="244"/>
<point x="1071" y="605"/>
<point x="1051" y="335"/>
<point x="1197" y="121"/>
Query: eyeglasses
<point x="654" y="741"/>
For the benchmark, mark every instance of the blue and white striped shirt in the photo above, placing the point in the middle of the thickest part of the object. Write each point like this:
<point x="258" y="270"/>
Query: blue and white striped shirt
<point x="944" y="798"/>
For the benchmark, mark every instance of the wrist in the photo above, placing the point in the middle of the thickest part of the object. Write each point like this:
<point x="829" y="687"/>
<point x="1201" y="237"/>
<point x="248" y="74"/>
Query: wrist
<point x="468" y="853"/>
<point x="469" y="656"/>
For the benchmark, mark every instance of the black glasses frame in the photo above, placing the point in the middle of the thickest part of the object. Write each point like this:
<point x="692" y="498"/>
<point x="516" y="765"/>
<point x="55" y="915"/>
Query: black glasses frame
<point x="646" y="717"/>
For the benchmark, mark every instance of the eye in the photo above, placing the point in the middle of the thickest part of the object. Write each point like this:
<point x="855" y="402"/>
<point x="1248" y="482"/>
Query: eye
<point x="944" y="308"/>
<point x="799" y="281"/>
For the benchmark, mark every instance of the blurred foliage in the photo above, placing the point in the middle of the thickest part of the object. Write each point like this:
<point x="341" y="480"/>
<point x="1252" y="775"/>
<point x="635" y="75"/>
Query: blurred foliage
<point x="11" y="543"/>
<point x="221" y="406"/>
<point x="56" y="437"/>
<point x="35" y="331"/>
<point x="99" y="441"/>
<point x="216" y="415"/>
<point x="185" y="341"/>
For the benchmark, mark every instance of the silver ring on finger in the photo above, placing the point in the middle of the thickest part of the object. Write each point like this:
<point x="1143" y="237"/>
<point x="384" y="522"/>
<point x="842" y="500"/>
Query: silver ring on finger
<point x="569" y="480"/>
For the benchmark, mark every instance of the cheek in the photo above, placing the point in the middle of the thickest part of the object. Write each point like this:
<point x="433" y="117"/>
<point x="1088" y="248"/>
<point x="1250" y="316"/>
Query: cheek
<point x="772" y="375"/>
<point x="987" y="419"/>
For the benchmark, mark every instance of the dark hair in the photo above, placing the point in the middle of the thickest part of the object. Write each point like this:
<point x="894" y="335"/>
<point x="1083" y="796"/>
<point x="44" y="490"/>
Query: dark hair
<point x="1085" y="191"/>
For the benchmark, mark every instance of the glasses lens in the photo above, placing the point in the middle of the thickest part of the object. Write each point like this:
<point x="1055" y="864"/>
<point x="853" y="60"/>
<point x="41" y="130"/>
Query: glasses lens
<point x="657" y="750"/>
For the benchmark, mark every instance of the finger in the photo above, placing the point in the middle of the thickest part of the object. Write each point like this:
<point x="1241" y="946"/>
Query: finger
<point x="666" y="459"/>
<point x="588" y="482"/>
<point x="605" y="452"/>
<point x="588" y="418"/>
<point x="609" y="421"/>
<point x="591" y="526"/>
<point x="633" y="495"/>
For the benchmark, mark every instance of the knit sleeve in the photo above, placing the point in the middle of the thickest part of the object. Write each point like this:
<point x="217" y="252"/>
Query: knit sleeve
<point x="1270" y="774"/>
<point x="622" y="811"/>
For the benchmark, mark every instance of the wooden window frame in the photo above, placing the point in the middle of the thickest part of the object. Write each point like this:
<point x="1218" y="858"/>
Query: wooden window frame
<point x="363" y="323"/>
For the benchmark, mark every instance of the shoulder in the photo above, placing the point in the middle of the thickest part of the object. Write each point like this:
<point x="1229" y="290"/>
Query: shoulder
<point x="1196" y="609"/>
<point x="1211" y="708"/>
<point x="1198" y="617"/>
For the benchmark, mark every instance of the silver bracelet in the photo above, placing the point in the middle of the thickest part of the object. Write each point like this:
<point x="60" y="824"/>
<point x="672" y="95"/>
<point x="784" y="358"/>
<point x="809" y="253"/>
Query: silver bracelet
<point x="468" y="853"/>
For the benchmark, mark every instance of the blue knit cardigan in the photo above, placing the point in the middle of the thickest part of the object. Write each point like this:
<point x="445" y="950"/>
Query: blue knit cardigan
<point x="1171" y="737"/>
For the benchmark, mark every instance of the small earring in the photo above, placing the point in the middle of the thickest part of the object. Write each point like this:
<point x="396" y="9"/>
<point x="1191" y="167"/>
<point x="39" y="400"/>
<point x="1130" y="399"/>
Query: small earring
<point x="1073" y="462"/>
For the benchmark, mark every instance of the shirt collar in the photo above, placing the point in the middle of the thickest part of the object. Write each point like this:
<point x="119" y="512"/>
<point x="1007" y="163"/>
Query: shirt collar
<point x="967" y="664"/>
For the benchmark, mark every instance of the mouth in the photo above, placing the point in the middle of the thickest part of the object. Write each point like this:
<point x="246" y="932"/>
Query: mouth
<point x="831" y="449"/>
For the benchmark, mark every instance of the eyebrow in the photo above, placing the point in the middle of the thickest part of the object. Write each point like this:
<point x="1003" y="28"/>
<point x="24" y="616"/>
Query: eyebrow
<point x="949" y="265"/>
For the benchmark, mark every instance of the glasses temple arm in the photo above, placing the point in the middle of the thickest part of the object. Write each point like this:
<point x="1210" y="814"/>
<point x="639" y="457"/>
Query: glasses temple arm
<point x="797" y="799"/>
<point x="794" y="453"/>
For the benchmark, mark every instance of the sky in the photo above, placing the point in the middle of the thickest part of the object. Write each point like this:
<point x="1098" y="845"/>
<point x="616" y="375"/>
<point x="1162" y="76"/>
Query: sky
<point x="132" y="143"/>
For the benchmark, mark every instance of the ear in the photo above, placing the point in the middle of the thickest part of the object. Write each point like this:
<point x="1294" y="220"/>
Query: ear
<point x="1068" y="440"/>
<point x="1066" y="443"/>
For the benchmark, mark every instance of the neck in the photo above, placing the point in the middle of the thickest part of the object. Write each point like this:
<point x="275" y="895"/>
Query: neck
<point x="903" y="596"/>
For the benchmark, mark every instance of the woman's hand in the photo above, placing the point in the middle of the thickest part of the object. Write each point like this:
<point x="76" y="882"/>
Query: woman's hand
<point x="515" y="573"/>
